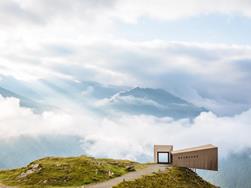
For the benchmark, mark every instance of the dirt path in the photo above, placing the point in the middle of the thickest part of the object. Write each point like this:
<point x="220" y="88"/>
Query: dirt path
<point x="129" y="176"/>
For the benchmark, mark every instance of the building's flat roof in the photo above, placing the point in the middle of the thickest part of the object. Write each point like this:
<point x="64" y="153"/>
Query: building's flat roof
<point x="163" y="145"/>
<point x="204" y="147"/>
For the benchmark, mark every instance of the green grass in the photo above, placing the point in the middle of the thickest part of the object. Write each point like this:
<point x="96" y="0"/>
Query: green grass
<point x="175" y="177"/>
<point x="77" y="171"/>
<point x="71" y="171"/>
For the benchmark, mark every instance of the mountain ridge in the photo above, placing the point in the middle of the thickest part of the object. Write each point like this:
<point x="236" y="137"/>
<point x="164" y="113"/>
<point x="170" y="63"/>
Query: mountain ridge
<point x="149" y="101"/>
<point x="137" y="100"/>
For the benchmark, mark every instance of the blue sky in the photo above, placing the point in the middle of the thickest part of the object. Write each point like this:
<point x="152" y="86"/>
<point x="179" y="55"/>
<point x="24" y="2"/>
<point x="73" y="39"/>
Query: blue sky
<point x="210" y="28"/>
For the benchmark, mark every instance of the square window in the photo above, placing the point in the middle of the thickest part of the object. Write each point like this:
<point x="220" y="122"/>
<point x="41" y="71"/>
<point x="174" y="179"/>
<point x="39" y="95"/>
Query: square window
<point x="163" y="157"/>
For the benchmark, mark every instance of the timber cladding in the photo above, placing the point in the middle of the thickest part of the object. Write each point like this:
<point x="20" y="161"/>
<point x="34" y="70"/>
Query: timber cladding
<point x="200" y="158"/>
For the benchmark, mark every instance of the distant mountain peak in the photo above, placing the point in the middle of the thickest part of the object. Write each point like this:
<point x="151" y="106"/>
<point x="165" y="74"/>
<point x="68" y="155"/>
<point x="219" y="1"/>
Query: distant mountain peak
<point x="156" y="102"/>
<point x="158" y="95"/>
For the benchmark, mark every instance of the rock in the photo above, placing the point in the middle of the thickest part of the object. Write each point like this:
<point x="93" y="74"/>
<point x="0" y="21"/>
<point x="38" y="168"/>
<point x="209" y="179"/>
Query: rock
<point x="130" y="168"/>
<point x="45" y="181"/>
<point x="110" y="173"/>
<point x="34" y="166"/>
<point x="25" y="174"/>
<point x="32" y="169"/>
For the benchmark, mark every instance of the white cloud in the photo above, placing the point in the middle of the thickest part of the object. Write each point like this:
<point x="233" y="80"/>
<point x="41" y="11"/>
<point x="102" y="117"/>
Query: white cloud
<point x="44" y="11"/>
<point x="117" y="99"/>
<point x="131" y="11"/>
<point x="31" y="33"/>
<point x="126" y="136"/>
<point x="135" y="135"/>
<point x="195" y="68"/>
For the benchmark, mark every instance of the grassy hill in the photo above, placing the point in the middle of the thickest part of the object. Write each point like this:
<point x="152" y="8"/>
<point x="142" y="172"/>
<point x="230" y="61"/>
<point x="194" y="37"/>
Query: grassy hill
<point x="175" y="177"/>
<point x="71" y="171"/>
<point x="78" y="171"/>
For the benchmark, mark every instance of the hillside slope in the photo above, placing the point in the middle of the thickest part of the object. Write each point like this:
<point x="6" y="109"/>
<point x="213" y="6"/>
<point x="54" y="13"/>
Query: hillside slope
<point x="172" y="178"/>
<point x="78" y="171"/>
<point x="71" y="171"/>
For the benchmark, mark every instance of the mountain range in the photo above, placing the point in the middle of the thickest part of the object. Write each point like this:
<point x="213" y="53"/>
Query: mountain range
<point x="105" y="99"/>
<point x="156" y="102"/>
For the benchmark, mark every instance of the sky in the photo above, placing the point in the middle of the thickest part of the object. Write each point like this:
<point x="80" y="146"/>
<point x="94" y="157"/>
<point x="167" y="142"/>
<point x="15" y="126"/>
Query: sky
<point x="197" y="50"/>
<point x="175" y="45"/>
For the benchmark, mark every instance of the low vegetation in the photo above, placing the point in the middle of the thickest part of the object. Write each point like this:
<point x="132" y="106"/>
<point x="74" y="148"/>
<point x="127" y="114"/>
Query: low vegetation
<point x="71" y="171"/>
<point x="78" y="171"/>
<point x="175" y="177"/>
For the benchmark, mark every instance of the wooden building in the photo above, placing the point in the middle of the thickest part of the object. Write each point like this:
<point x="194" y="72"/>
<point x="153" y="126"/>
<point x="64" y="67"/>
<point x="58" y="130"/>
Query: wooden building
<point x="163" y="149"/>
<point x="202" y="157"/>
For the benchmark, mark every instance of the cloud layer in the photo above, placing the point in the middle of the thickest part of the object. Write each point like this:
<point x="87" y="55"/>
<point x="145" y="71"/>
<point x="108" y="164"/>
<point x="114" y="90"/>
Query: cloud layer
<point x="80" y="41"/>
<point x="125" y="136"/>
<point x="215" y="76"/>
<point x="44" y="11"/>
